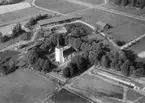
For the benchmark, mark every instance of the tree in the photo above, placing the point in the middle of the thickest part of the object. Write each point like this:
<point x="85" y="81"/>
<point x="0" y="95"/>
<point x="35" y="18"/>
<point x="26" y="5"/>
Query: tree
<point x="133" y="3"/>
<point x="79" y="32"/>
<point x="73" y="69"/>
<point x="139" y="72"/>
<point x="5" y="38"/>
<point x="31" y="22"/>
<point x="61" y="40"/>
<point x="104" y="61"/>
<point x="1" y="38"/>
<point x="125" y="68"/>
<point x="120" y="43"/>
<point x="16" y="30"/>
<point x="124" y="2"/>
<point x="26" y="36"/>
<point x="142" y="4"/>
<point x="132" y="69"/>
<point x="66" y="72"/>
<point x="47" y="66"/>
<point x="138" y="4"/>
<point x="37" y="65"/>
<point x="32" y="56"/>
<point x="117" y="2"/>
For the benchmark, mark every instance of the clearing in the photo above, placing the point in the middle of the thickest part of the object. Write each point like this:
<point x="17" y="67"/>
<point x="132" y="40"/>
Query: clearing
<point x="64" y="96"/>
<point x="127" y="32"/>
<point x="20" y="14"/>
<point x="25" y="87"/>
<point x="98" y="87"/>
<point x="14" y="7"/>
<point x="127" y="9"/>
<point x="139" y="48"/>
<point x="62" y="7"/>
<point x="92" y="16"/>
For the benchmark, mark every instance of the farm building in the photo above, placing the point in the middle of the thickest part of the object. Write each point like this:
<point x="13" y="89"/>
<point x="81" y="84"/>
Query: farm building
<point x="57" y="20"/>
<point x="101" y="26"/>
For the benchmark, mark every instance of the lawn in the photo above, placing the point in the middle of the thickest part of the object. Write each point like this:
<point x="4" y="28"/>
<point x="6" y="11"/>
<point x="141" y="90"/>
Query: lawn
<point x="125" y="9"/>
<point x="98" y="87"/>
<point x="132" y="95"/>
<point x="64" y="96"/>
<point x="62" y="7"/>
<point x="94" y="2"/>
<point x="25" y="87"/>
<point x="127" y="32"/>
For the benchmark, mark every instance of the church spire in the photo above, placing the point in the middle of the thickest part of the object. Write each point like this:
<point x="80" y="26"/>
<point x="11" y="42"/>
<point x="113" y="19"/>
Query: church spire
<point x="58" y="43"/>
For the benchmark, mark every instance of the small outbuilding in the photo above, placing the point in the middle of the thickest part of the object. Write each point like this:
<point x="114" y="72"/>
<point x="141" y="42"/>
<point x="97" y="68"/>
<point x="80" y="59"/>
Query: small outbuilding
<point x="101" y="26"/>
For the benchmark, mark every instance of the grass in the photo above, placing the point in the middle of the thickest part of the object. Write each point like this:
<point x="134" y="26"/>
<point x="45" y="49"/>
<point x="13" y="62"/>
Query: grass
<point x="139" y="46"/>
<point x="98" y="87"/>
<point x="19" y="14"/>
<point x="124" y="28"/>
<point x="25" y="87"/>
<point x="10" y="42"/>
<point x="127" y="9"/>
<point x="127" y="32"/>
<point x="92" y="16"/>
<point x="64" y="96"/>
<point x="8" y="53"/>
<point x="142" y="100"/>
<point x="132" y="95"/>
<point x="62" y="7"/>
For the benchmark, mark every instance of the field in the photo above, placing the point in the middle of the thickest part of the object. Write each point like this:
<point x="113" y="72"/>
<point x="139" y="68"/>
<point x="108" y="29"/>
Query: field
<point x="14" y="7"/>
<point x="139" y="47"/>
<point x="127" y="32"/>
<point x="127" y="9"/>
<point x="124" y="28"/>
<point x="6" y="54"/>
<point x="132" y="95"/>
<point x="59" y="6"/>
<point x="64" y="96"/>
<point x="98" y="87"/>
<point x="25" y="87"/>
<point x="19" y="14"/>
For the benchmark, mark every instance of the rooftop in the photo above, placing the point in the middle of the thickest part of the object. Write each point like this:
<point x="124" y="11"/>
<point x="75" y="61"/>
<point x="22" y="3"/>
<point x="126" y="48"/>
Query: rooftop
<point x="68" y="51"/>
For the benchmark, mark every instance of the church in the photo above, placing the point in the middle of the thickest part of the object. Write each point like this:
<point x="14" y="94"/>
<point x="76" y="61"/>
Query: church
<point x="63" y="53"/>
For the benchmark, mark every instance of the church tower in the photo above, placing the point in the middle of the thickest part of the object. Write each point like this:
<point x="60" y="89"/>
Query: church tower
<point x="59" y="52"/>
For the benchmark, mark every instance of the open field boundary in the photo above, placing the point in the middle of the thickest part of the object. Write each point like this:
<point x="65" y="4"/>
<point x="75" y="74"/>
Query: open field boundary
<point x="14" y="7"/>
<point x="107" y="10"/>
<point x="132" y="42"/>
